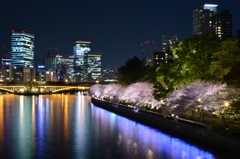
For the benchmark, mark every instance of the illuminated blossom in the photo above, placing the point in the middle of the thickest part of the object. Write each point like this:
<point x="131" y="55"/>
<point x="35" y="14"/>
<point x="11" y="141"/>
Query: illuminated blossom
<point x="190" y="96"/>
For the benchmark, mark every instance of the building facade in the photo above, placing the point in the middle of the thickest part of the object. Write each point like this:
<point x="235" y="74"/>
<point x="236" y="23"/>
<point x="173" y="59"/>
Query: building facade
<point x="208" y="19"/>
<point x="221" y="24"/>
<point x="22" y="48"/>
<point x="79" y="49"/>
<point x="66" y="67"/>
<point x="160" y="58"/>
<point x="51" y="60"/>
<point x="168" y="42"/>
<point x="92" y="68"/>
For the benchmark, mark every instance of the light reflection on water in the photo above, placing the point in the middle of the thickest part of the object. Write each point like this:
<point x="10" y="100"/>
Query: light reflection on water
<point x="69" y="126"/>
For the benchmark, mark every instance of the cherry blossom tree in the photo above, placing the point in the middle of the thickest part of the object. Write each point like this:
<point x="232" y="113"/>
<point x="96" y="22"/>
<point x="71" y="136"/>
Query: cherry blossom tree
<point x="135" y="94"/>
<point x="189" y="96"/>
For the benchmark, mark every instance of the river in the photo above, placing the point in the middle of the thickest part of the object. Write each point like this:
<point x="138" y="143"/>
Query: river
<point x="70" y="126"/>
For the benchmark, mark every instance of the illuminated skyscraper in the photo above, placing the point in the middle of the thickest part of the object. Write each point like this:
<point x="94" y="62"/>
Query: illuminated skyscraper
<point x="92" y="68"/>
<point x="201" y="18"/>
<point x="208" y="19"/>
<point x="221" y="24"/>
<point x="79" y="49"/>
<point x="22" y="48"/>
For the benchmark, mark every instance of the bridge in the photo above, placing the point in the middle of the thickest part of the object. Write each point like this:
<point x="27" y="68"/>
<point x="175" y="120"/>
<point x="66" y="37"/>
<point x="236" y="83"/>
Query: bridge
<point x="42" y="89"/>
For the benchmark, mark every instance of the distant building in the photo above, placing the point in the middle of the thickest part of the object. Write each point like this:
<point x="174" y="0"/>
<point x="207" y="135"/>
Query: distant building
<point x="208" y="19"/>
<point x="6" y="73"/>
<point x="92" y="68"/>
<point x="108" y="69"/>
<point x="150" y="61"/>
<point x="66" y="67"/>
<point x="51" y="60"/>
<point x="160" y="58"/>
<point x="168" y="42"/>
<point x="221" y="23"/>
<point x="79" y="49"/>
<point x="24" y="74"/>
<point x="22" y="48"/>
<point x="108" y="77"/>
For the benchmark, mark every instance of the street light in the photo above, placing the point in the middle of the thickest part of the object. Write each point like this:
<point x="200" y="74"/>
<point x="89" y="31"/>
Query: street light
<point x="226" y="104"/>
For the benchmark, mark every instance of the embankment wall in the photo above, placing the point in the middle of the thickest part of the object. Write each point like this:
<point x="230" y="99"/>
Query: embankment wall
<point x="186" y="128"/>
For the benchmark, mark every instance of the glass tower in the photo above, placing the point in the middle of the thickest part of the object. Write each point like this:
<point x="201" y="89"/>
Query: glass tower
<point x="92" y="68"/>
<point x="80" y="48"/>
<point x="22" y="48"/>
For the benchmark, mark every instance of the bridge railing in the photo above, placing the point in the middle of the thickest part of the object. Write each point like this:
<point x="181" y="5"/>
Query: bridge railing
<point x="42" y="89"/>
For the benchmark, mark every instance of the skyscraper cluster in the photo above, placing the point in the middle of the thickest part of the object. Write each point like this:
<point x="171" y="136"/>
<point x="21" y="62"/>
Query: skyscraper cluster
<point x="20" y="66"/>
<point x="83" y="65"/>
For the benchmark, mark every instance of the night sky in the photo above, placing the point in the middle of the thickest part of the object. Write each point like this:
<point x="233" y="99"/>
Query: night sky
<point x="116" y="28"/>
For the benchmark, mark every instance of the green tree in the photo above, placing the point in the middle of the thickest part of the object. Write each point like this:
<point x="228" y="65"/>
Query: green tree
<point x="131" y="72"/>
<point x="31" y="84"/>
<point x="12" y="82"/>
<point x="226" y="64"/>
<point x="194" y="56"/>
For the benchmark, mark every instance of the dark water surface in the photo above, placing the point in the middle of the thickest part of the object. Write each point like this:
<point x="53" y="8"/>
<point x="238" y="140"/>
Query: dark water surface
<point x="69" y="126"/>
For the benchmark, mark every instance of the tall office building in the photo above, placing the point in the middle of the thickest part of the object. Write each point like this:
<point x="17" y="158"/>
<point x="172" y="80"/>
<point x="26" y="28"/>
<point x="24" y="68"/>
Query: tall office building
<point x="207" y="19"/>
<point x="51" y="60"/>
<point x="92" y="68"/>
<point x="202" y="18"/>
<point x="65" y="65"/>
<point x="79" y="49"/>
<point x="168" y="42"/>
<point x="22" y="48"/>
<point x="221" y="23"/>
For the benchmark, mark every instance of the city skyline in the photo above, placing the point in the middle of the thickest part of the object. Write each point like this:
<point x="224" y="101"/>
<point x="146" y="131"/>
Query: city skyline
<point x="114" y="28"/>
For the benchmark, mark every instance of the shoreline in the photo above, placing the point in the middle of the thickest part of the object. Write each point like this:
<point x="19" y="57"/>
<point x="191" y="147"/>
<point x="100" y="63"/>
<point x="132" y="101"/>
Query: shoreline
<point x="187" y="129"/>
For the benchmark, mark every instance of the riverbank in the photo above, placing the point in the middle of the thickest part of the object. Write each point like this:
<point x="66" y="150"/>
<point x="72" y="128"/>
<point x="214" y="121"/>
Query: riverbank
<point x="189" y="129"/>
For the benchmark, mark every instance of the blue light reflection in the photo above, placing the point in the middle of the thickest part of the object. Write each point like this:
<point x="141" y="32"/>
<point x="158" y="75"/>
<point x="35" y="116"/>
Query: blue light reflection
<point x="145" y="141"/>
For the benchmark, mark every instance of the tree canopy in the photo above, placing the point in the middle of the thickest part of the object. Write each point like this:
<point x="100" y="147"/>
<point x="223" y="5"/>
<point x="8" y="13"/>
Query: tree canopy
<point x="132" y="71"/>
<point x="194" y="56"/>
<point x="31" y="84"/>
<point x="201" y="57"/>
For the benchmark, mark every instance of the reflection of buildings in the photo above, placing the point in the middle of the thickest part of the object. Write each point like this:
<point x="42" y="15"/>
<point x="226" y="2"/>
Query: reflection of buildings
<point x="207" y="19"/>
<point x="22" y="48"/>
<point x="92" y="67"/>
